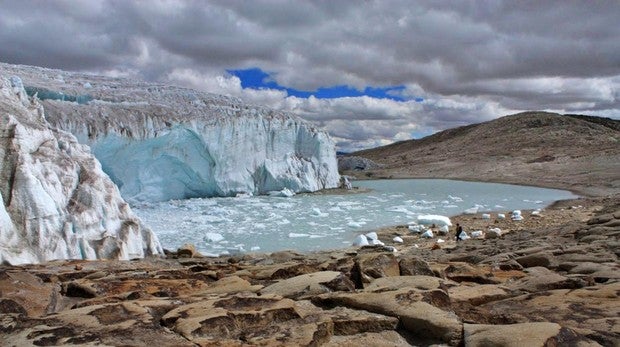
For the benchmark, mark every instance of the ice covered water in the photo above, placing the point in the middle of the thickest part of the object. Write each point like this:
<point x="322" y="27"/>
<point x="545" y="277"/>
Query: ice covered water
<point x="317" y="222"/>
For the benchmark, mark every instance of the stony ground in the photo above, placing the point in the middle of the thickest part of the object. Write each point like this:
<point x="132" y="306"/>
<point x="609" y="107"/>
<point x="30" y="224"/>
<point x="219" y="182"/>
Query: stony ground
<point x="549" y="280"/>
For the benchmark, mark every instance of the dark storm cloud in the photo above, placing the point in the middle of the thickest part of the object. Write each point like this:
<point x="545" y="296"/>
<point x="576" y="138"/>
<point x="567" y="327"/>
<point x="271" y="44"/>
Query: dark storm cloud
<point x="469" y="60"/>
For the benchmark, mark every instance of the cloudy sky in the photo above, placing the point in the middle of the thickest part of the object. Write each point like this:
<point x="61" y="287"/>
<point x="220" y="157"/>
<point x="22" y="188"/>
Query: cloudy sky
<point x="369" y="72"/>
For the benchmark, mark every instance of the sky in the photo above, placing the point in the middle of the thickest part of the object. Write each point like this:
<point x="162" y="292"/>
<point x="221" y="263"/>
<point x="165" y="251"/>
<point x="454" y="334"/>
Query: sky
<point x="368" y="72"/>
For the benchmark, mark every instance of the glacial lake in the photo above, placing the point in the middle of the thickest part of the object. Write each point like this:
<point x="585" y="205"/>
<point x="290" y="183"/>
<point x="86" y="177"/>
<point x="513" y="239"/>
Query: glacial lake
<point x="310" y="222"/>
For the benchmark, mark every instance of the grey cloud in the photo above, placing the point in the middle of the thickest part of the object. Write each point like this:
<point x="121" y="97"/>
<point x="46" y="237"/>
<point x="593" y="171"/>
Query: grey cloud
<point x="470" y="60"/>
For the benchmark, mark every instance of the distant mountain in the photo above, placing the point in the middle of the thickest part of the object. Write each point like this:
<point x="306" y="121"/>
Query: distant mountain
<point x="575" y="152"/>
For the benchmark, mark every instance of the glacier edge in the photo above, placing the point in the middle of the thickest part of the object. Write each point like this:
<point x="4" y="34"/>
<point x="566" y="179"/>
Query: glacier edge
<point x="57" y="202"/>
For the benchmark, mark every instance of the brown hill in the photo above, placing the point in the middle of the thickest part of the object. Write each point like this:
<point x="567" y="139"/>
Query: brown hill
<point x="580" y="153"/>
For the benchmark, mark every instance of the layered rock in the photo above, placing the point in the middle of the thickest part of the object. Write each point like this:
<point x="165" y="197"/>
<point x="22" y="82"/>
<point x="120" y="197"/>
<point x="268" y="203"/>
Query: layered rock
<point x="159" y="143"/>
<point x="57" y="202"/>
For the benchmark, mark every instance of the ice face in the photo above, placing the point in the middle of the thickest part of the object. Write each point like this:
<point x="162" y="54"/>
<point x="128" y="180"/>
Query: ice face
<point x="159" y="142"/>
<point x="57" y="202"/>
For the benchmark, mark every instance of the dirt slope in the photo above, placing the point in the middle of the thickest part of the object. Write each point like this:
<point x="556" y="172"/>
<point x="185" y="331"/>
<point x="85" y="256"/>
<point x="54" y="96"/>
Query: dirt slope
<point x="581" y="153"/>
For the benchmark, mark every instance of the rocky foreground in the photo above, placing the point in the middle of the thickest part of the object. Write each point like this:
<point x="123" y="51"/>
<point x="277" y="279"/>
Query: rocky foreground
<point x="550" y="280"/>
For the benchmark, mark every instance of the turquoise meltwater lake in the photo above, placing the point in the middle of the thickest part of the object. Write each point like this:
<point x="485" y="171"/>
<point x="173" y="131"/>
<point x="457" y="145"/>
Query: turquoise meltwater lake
<point x="311" y="222"/>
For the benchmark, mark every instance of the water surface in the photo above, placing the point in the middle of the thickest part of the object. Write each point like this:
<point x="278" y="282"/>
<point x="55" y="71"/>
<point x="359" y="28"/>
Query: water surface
<point x="326" y="221"/>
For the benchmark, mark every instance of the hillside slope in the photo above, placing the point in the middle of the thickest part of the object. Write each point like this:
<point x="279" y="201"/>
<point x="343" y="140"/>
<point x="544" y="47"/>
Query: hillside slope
<point x="581" y="153"/>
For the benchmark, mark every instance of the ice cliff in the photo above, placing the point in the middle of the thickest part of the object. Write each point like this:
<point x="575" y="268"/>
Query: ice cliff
<point x="57" y="202"/>
<point x="161" y="142"/>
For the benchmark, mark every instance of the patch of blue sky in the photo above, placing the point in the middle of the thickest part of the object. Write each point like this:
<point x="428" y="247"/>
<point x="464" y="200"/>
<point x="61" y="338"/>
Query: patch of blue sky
<point x="256" y="78"/>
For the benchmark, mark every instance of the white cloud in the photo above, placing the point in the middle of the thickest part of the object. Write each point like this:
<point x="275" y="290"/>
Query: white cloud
<point x="469" y="61"/>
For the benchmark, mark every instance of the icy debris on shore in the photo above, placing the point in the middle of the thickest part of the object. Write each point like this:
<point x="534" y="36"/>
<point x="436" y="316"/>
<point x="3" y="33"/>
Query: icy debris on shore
<point x="477" y="234"/>
<point x="397" y="239"/>
<point x="486" y="216"/>
<point x="463" y="236"/>
<point x="493" y="233"/>
<point x="444" y="229"/>
<point x="438" y="220"/>
<point x="360" y="240"/>
<point x="516" y="215"/>
<point x="415" y="228"/>
<point x="428" y="234"/>
<point x="501" y="216"/>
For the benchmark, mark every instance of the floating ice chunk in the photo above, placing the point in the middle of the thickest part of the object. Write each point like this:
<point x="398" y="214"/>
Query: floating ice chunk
<point x="472" y="210"/>
<point x="501" y="216"/>
<point x="486" y="216"/>
<point x="356" y="224"/>
<point x="213" y="237"/>
<point x="243" y="195"/>
<point x="478" y="234"/>
<point x="372" y="236"/>
<point x="293" y="235"/>
<point x="236" y="250"/>
<point x="444" y="229"/>
<point x="360" y="240"/>
<point x="397" y="239"/>
<point x="284" y="193"/>
<point x="494" y="233"/>
<point x="427" y="234"/>
<point x="255" y="248"/>
<point x="317" y="213"/>
<point x="87" y="85"/>
<point x="455" y="198"/>
<point x="438" y="220"/>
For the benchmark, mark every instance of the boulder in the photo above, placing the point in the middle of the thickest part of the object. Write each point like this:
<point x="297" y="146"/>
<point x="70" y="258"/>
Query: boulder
<point x="188" y="250"/>
<point x="310" y="285"/>
<point x="408" y="282"/>
<point x="247" y="319"/>
<point x="543" y="259"/>
<point x="463" y="272"/>
<point x="414" y="266"/>
<point x="478" y="294"/>
<point x="374" y="265"/>
<point x="388" y="338"/>
<point x="540" y="279"/>
<point x="415" y="311"/>
<point x="539" y="334"/>
<point x="230" y="284"/>
<point x="352" y="322"/>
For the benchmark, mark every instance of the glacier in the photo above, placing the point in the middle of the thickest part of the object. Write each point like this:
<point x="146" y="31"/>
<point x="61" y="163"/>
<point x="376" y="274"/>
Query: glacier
<point x="159" y="143"/>
<point x="57" y="202"/>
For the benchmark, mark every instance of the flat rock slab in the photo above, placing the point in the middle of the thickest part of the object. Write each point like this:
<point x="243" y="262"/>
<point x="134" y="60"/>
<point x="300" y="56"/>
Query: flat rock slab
<point x="249" y="319"/>
<point x="593" y="311"/>
<point x="410" y="282"/>
<point x="412" y="307"/>
<point x="118" y="324"/>
<point x="540" y="334"/>
<point x="310" y="285"/>
<point x="480" y="294"/>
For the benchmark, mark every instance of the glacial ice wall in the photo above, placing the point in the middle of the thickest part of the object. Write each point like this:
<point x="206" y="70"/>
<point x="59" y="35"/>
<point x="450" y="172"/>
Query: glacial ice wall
<point x="57" y="202"/>
<point x="159" y="143"/>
